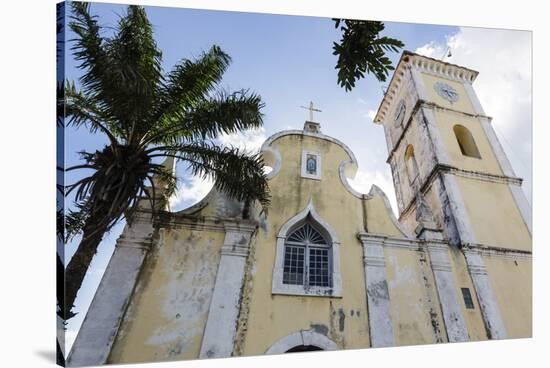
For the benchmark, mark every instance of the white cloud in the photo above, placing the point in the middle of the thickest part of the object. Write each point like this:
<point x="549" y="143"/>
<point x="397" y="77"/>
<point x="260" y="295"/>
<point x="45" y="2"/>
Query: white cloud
<point x="190" y="192"/>
<point x="250" y="140"/>
<point x="431" y="49"/>
<point x="193" y="189"/>
<point x="503" y="60"/>
<point x="365" y="179"/>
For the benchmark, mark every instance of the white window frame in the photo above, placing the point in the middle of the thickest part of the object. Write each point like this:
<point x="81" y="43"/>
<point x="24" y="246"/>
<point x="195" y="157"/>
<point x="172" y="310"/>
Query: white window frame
<point x="307" y="253"/>
<point x="335" y="288"/>
<point x="304" y="173"/>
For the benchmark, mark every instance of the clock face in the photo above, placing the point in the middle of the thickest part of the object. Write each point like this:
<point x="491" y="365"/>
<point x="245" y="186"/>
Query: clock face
<point x="446" y="91"/>
<point x="400" y="112"/>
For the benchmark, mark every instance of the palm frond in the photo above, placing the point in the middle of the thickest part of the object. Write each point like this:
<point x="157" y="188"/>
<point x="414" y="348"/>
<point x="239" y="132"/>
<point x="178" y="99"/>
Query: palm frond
<point x="81" y="110"/>
<point x="121" y="74"/>
<point x="224" y="113"/>
<point x="239" y="175"/>
<point x="189" y="83"/>
<point x="136" y="63"/>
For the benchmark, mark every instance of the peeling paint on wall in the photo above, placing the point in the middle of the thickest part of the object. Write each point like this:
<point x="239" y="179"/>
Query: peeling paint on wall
<point x="246" y="293"/>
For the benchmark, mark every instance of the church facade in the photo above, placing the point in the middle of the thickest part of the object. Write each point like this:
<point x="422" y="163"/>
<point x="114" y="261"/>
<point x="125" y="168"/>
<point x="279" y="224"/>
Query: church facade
<point x="327" y="267"/>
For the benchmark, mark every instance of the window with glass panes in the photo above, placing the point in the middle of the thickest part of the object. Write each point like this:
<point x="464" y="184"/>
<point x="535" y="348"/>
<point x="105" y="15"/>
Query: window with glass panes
<point x="307" y="258"/>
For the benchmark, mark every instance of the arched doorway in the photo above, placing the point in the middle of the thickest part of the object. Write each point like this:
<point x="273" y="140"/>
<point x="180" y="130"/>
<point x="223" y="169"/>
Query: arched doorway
<point x="302" y="348"/>
<point x="302" y="341"/>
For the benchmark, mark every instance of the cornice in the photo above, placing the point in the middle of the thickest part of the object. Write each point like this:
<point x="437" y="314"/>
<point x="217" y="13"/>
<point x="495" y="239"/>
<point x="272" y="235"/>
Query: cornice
<point x="204" y="223"/>
<point x="492" y="251"/>
<point x="447" y="169"/>
<point x="421" y="104"/>
<point x="424" y="64"/>
<point x="371" y="239"/>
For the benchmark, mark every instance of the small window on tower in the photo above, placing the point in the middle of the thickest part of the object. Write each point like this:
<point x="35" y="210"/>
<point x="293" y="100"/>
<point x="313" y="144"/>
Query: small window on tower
<point x="467" y="298"/>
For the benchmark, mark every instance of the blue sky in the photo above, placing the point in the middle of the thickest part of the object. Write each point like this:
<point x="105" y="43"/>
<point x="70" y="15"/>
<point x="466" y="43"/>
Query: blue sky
<point x="288" y="61"/>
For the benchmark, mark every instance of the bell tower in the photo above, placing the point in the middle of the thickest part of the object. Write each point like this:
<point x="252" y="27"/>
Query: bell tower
<point x="441" y="143"/>
<point x="444" y="151"/>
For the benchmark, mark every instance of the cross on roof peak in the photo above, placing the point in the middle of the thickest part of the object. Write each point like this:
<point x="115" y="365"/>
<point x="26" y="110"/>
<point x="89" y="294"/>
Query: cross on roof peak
<point x="311" y="109"/>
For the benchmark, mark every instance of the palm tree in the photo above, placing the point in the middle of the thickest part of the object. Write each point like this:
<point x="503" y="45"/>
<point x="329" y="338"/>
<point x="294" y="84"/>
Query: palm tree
<point x="146" y="116"/>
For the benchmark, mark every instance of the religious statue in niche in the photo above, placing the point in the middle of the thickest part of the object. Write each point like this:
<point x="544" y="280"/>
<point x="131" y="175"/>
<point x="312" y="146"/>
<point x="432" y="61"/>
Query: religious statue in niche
<point x="311" y="164"/>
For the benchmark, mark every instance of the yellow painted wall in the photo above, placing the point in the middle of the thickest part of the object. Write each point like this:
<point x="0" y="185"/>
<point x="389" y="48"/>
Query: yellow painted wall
<point x="463" y="103"/>
<point x="379" y="221"/>
<point x="512" y="285"/>
<point x="168" y="311"/>
<point x="412" y="289"/>
<point x="272" y="317"/>
<point x="493" y="214"/>
<point x="491" y="209"/>
<point x="415" y="311"/>
<point x="472" y="317"/>
<point x="488" y="162"/>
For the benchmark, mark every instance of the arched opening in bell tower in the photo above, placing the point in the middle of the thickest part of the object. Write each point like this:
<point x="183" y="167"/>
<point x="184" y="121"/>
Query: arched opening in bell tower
<point x="466" y="141"/>
<point x="410" y="163"/>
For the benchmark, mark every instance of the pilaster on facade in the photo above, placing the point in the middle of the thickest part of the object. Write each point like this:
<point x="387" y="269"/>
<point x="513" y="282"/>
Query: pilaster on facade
<point x="486" y="299"/>
<point x="100" y="326"/>
<point x="438" y="251"/>
<point x="455" y="209"/>
<point x="221" y="325"/>
<point x="378" y="296"/>
<point x="453" y="318"/>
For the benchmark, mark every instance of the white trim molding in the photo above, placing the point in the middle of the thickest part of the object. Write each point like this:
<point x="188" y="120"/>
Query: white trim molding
<point x="100" y="327"/>
<point x="221" y="325"/>
<point x="278" y="287"/>
<point x="378" y="296"/>
<point x="272" y="158"/>
<point x="302" y="338"/>
<point x="456" y="208"/>
<point x="486" y="299"/>
<point x="455" y="324"/>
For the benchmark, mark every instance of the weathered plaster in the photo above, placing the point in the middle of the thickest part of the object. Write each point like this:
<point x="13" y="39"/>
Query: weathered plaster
<point x="221" y="326"/>
<point x="100" y="326"/>
<point x="378" y="297"/>
<point x="447" y="292"/>
<point x="194" y="299"/>
<point x="169" y="307"/>
<point x="487" y="302"/>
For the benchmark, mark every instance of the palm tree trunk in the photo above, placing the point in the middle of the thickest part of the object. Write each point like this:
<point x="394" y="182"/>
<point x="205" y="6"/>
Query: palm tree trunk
<point x="80" y="262"/>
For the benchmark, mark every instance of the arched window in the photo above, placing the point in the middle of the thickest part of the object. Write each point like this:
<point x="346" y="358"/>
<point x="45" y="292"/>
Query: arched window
<point x="466" y="141"/>
<point x="410" y="163"/>
<point x="307" y="259"/>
